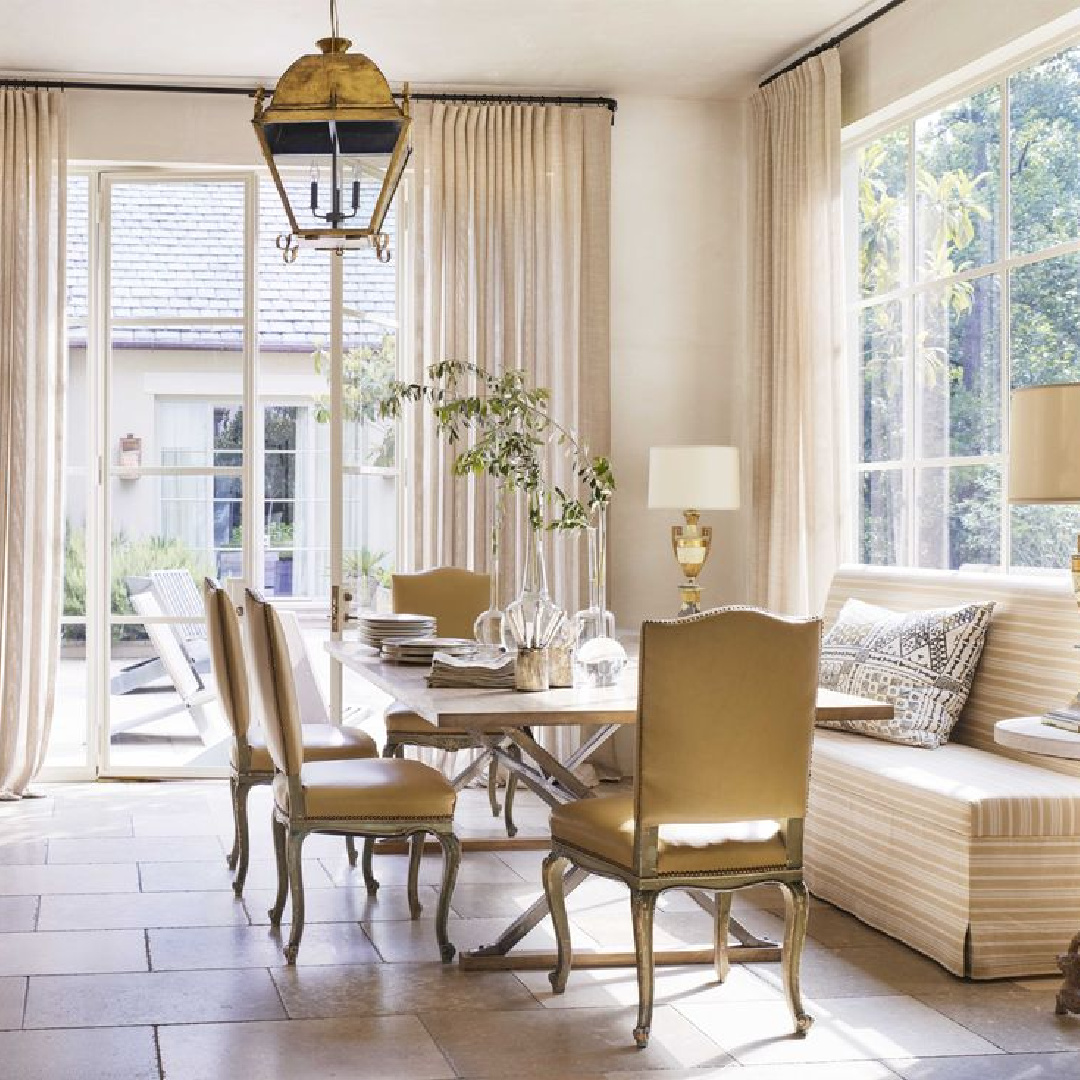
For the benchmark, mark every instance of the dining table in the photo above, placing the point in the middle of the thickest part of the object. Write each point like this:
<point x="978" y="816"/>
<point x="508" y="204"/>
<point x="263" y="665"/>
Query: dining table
<point x="506" y="722"/>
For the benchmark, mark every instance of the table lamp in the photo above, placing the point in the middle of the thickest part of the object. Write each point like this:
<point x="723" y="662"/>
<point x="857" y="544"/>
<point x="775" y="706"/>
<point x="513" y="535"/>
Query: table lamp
<point x="1044" y="467"/>
<point x="692" y="479"/>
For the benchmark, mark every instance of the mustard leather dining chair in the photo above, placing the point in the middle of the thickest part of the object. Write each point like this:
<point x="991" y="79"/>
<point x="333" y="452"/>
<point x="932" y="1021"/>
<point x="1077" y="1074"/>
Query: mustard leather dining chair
<point x="249" y="756"/>
<point x="725" y="721"/>
<point x="453" y="598"/>
<point x="367" y="797"/>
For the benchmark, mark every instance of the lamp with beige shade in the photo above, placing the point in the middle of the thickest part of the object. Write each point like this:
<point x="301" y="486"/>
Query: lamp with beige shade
<point x="1044" y="467"/>
<point x="692" y="479"/>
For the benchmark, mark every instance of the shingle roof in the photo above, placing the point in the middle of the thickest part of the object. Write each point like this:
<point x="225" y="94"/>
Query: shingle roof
<point x="177" y="252"/>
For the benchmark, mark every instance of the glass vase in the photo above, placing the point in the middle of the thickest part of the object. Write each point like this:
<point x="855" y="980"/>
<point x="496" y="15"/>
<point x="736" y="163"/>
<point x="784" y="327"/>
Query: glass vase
<point x="488" y="628"/>
<point x="600" y="658"/>
<point x="532" y="621"/>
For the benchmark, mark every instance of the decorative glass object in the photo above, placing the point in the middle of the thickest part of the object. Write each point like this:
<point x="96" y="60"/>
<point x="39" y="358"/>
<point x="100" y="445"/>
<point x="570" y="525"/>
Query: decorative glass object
<point x="532" y="620"/>
<point x="600" y="659"/>
<point x="561" y="656"/>
<point x="489" y="628"/>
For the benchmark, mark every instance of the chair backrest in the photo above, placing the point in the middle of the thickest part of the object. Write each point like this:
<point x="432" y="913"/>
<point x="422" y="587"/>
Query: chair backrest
<point x="453" y="597"/>
<point x="725" y="718"/>
<point x="227" y="658"/>
<point x="272" y="677"/>
<point x="178" y="594"/>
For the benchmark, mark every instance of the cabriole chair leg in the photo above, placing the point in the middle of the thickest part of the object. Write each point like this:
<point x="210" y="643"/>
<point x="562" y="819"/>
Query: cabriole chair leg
<point x="554" y="869"/>
<point x="451" y="846"/>
<point x="796" y="916"/>
<point x="293" y="848"/>
<point x="233" y="855"/>
<point x="508" y="799"/>
<point x="367" y="865"/>
<point x="722" y="923"/>
<point x="350" y="849"/>
<point x="493" y="787"/>
<point x="281" y="858"/>
<point x="243" y="838"/>
<point x="642" y="906"/>
<point x="416" y="853"/>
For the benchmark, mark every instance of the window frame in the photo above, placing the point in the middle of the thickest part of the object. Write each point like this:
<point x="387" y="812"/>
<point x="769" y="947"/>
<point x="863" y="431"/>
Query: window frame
<point x="853" y="140"/>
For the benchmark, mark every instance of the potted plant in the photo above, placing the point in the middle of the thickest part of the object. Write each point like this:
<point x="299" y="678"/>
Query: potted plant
<point x="365" y="573"/>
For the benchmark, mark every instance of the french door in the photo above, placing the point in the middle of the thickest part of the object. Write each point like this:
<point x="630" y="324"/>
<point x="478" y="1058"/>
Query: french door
<point x="205" y="441"/>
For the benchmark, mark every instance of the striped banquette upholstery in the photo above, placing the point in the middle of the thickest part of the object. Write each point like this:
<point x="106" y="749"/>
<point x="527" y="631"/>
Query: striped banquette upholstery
<point x="969" y="853"/>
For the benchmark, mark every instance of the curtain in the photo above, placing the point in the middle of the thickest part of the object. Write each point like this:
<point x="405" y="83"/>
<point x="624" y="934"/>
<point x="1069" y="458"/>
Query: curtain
<point x="33" y="181"/>
<point x="801" y="417"/>
<point x="508" y="229"/>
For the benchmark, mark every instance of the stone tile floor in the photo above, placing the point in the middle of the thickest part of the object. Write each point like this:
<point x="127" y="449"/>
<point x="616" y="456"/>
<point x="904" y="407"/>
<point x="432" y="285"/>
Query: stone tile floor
<point x="124" y="956"/>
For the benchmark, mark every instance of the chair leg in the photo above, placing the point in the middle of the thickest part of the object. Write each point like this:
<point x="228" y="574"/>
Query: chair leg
<point x="416" y="853"/>
<point x="293" y="846"/>
<point x="451" y="846"/>
<point x="553" y="871"/>
<point x="723" y="921"/>
<point x="796" y="916"/>
<point x="511" y="790"/>
<point x="350" y="849"/>
<point x="243" y="838"/>
<point x="369" y="871"/>
<point x="278" y="829"/>
<point x="493" y="787"/>
<point x="233" y="855"/>
<point x="642" y="906"/>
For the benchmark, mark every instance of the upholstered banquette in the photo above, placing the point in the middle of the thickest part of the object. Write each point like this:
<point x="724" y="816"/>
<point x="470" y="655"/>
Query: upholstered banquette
<point x="970" y="853"/>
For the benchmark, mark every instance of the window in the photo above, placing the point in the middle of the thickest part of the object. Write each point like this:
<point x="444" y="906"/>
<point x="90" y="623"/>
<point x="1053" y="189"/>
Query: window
<point x="965" y="284"/>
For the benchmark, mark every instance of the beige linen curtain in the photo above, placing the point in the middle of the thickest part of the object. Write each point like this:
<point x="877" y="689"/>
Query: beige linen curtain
<point x="508" y="229"/>
<point x="33" y="180"/>
<point x="799" y="442"/>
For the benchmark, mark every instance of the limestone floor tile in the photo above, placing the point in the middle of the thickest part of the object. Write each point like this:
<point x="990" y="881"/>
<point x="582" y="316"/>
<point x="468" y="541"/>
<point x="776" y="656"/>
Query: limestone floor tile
<point x="477" y="868"/>
<point x="883" y="969"/>
<point x="355" y="1048"/>
<point x="137" y="849"/>
<point x="36" y="880"/>
<point x="12" y="996"/>
<point x="568" y="1042"/>
<point x="167" y="824"/>
<point x="214" y="874"/>
<point x="137" y="910"/>
<point x="833" y="1070"/>
<point x="484" y="902"/>
<point x="611" y="927"/>
<point x="22" y="852"/>
<point x="1051" y="1066"/>
<point x="845" y="1029"/>
<point x="837" y="929"/>
<point x="118" y="1053"/>
<point x="1015" y="1019"/>
<point x="343" y="905"/>
<point x="154" y="997"/>
<point x="616" y="988"/>
<point x="257" y="946"/>
<point x="18" y="914"/>
<point x="397" y="988"/>
<point x="414" y="941"/>
<point x="78" y="952"/>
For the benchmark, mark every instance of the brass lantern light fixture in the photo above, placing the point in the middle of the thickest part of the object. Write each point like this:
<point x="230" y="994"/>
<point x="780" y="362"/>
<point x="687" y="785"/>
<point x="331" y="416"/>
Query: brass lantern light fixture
<point x="336" y="143"/>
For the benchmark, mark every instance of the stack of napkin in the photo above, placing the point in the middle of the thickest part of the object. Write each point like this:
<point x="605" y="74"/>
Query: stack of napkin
<point x="459" y="671"/>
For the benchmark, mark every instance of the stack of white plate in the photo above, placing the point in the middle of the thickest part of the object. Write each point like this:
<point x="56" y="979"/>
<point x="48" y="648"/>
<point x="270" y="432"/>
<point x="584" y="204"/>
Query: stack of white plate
<point x="421" y="650"/>
<point x="376" y="630"/>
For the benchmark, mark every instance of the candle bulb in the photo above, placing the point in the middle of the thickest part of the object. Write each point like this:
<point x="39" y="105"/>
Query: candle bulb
<point x="314" y="195"/>
<point x="355" y="193"/>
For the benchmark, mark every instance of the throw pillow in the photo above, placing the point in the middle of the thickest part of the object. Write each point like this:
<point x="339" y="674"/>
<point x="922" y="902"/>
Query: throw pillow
<point x="922" y="662"/>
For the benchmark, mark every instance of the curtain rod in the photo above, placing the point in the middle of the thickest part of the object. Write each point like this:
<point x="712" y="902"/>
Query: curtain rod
<point x="833" y="41"/>
<point x="174" y="88"/>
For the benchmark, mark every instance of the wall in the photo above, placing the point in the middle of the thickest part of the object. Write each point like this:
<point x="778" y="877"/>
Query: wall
<point x="923" y="41"/>
<point x="679" y="303"/>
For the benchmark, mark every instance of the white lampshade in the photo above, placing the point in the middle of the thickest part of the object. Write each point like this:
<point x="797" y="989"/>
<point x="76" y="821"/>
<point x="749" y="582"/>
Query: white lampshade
<point x="694" y="477"/>
<point x="1044" y="444"/>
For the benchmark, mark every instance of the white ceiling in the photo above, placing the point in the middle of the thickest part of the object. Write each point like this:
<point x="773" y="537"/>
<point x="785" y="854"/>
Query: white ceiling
<point x="675" y="48"/>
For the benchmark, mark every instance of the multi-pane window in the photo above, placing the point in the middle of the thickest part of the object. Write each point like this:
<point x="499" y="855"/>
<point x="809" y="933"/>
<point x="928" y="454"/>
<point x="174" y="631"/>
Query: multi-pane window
<point x="965" y="285"/>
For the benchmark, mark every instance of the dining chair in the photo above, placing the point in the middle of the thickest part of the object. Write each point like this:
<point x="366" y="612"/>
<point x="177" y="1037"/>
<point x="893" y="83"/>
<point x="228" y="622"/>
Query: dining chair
<point x="367" y="797"/>
<point x="453" y="598"/>
<point x="725" y="719"/>
<point x="249" y="756"/>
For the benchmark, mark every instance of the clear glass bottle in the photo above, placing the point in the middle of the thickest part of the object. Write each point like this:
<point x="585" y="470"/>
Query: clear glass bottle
<point x="600" y="658"/>
<point x="488" y="628"/>
<point x="532" y="620"/>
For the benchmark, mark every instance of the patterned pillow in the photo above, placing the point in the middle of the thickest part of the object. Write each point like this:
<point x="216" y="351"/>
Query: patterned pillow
<point x="922" y="662"/>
